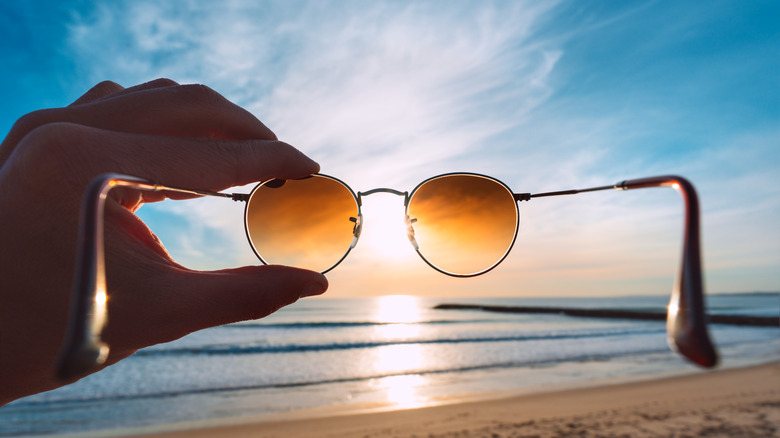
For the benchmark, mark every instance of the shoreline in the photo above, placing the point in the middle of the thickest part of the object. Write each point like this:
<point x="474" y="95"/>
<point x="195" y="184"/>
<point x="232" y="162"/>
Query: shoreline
<point x="735" y="401"/>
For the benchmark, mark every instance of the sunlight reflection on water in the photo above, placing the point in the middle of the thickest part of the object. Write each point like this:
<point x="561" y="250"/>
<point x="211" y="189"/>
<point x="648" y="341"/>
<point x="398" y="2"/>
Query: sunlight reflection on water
<point x="405" y="392"/>
<point x="398" y="309"/>
<point x="402" y="312"/>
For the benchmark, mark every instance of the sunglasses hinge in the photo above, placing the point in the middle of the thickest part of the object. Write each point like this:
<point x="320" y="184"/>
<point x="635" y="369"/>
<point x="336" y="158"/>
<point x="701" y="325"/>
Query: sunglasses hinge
<point x="239" y="197"/>
<point x="522" y="197"/>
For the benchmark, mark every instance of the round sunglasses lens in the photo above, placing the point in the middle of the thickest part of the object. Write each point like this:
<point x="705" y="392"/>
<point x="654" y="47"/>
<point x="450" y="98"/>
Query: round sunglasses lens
<point x="307" y="223"/>
<point x="463" y="224"/>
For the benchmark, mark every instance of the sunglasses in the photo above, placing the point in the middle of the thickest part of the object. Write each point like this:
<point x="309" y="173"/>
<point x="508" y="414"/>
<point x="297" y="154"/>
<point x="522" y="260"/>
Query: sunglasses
<point x="460" y="224"/>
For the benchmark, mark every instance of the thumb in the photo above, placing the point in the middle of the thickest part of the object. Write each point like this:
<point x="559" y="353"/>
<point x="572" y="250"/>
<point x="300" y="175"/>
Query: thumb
<point x="196" y="300"/>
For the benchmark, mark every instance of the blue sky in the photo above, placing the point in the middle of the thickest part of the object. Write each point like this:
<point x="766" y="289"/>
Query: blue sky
<point x="542" y="95"/>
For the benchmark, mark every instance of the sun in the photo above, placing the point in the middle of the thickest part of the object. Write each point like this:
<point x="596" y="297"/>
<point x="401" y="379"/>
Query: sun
<point x="384" y="230"/>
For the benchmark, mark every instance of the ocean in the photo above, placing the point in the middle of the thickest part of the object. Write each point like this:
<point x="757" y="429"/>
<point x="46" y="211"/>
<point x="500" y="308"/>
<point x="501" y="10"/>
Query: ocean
<point x="325" y="356"/>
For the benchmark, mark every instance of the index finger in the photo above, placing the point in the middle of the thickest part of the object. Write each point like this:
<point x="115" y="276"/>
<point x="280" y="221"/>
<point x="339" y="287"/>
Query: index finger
<point x="173" y="110"/>
<point x="197" y="163"/>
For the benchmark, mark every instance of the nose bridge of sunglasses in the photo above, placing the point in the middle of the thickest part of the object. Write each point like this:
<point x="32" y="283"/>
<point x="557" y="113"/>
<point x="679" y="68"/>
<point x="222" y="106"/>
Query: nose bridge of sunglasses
<point x="360" y="195"/>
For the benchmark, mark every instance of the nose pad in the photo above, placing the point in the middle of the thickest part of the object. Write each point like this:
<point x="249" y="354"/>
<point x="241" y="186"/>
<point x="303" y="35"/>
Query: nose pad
<point x="356" y="230"/>
<point x="410" y="231"/>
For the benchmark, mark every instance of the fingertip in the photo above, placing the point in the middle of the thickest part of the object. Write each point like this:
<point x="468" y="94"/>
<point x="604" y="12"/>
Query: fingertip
<point x="308" y="283"/>
<point x="259" y="160"/>
<point x="269" y="134"/>
<point x="249" y="292"/>
<point x="315" y="166"/>
<point x="310" y="166"/>
<point x="298" y="159"/>
<point x="316" y="287"/>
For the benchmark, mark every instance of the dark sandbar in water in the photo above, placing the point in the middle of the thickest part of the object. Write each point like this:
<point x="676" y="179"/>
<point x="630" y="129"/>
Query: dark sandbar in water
<point x="743" y="320"/>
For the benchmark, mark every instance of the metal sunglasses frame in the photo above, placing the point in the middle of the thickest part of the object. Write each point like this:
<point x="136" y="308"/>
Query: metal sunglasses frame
<point x="84" y="350"/>
<point x="408" y="196"/>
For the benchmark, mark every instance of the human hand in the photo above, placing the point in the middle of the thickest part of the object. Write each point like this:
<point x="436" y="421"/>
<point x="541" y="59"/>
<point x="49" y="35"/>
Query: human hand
<point x="179" y="135"/>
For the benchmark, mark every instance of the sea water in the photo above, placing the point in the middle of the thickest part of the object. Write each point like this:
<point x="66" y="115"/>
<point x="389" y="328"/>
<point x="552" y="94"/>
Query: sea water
<point x="323" y="356"/>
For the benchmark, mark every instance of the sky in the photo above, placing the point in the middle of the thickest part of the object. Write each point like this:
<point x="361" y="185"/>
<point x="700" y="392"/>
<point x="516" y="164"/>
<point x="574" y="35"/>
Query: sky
<point x="541" y="95"/>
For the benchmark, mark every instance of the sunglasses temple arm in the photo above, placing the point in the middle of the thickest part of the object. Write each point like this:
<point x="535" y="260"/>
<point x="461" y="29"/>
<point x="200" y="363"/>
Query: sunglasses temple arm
<point x="686" y="324"/>
<point x="84" y="350"/>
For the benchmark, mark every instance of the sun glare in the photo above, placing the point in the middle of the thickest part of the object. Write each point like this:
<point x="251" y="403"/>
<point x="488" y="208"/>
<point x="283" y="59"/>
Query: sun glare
<point x="404" y="391"/>
<point x="384" y="230"/>
<point x="399" y="358"/>
<point x="398" y="331"/>
<point x="397" y="309"/>
<point x="402" y="312"/>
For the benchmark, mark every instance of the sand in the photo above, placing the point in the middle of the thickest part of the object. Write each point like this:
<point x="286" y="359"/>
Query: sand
<point x="743" y="402"/>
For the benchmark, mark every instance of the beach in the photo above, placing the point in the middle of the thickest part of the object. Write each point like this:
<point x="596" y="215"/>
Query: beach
<point x="404" y="366"/>
<point x="742" y="402"/>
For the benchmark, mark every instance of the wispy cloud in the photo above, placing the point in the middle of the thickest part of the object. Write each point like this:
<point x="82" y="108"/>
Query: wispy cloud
<point x="410" y="90"/>
<point x="378" y="87"/>
<point x="544" y="96"/>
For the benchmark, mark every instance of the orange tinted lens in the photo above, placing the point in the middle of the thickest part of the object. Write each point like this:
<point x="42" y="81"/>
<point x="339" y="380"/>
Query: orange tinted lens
<point x="304" y="223"/>
<point x="463" y="224"/>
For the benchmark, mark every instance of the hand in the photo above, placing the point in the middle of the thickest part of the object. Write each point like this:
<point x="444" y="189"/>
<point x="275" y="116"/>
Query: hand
<point x="180" y="135"/>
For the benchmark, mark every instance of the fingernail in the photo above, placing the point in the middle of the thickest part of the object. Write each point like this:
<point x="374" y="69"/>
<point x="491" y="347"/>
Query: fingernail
<point x="316" y="288"/>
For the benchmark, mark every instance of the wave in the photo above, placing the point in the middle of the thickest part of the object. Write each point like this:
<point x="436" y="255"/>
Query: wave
<point x="66" y="402"/>
<point x="236" y="349"/>
<point x="340" y="324"/>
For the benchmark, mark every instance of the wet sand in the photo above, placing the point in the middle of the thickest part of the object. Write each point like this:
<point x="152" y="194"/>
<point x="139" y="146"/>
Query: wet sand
<point x="741" y="402"/>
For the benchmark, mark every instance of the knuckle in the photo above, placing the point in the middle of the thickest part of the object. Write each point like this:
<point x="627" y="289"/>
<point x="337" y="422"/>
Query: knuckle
<point x="53" y="147"/>
<point x="57" y="133"/>
<point x="201" y="93"/>
<point x="107" y="87"/>
<point x="28" y="122"/>
<point x="162" y="82"/>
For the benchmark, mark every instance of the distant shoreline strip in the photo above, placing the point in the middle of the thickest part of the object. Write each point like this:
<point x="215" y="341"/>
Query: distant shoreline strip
<point x="743" y="320"/>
